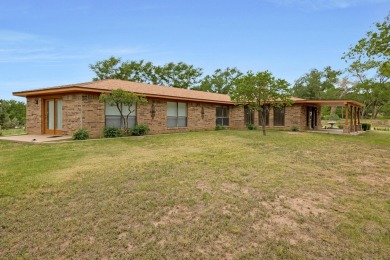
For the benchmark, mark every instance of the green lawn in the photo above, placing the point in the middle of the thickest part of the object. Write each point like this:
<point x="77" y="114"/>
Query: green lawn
<point x="15" y="131"/>
<point x="216" y="194"/>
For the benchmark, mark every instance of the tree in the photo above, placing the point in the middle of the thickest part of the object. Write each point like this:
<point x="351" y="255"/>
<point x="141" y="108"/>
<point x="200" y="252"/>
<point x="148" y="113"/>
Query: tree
<point x="318" y="84"/>
<point x="179" y="75"/>
<point x="370" y="66"/>
<point x="124" y="101"/>
<point x="222" y="81"/>
<point x="12" y="113"/>
<point x="261" y="91"/>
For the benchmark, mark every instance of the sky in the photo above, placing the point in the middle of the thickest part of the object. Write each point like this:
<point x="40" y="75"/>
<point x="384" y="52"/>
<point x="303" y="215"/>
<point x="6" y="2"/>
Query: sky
<point x="50" y="43"/>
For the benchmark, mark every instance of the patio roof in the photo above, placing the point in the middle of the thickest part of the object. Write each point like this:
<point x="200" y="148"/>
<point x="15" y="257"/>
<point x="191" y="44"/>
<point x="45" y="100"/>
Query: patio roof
<point x="331" y="102"/>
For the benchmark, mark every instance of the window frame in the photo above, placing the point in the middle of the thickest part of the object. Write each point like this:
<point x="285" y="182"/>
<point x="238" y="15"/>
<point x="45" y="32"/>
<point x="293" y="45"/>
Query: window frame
<point x="225" y="115"/>
<point x="132" y="120"/>
<point x="177" y="115"/>
<point x="249" y="113"/>
<point x="282" y="110"/>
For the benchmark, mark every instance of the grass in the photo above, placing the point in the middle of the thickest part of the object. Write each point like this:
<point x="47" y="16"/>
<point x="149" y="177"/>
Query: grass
<point x="14" y="131"/>
<point x="216" y="194"/>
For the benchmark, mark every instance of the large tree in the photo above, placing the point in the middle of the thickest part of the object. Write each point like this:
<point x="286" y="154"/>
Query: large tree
<point x="370" y="65"/>
<point x="179" y="75"/>
<point x="318" y="84"/>
<point x="261" y="91"/>
<point x="125" y="102"/>
<point x="222" y="81"/>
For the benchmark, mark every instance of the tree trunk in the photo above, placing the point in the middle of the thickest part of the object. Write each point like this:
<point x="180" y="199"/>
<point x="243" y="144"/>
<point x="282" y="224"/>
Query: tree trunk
<point x="263" y="119"/>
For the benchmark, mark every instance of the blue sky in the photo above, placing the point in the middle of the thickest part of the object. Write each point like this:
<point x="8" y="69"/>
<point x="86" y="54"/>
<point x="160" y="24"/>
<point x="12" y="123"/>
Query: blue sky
<point x="47" y="43"/>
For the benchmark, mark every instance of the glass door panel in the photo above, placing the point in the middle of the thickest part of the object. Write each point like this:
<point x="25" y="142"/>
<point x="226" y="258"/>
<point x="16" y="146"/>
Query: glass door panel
<point x="50" y="114"/>
<point x="58" y="114"/>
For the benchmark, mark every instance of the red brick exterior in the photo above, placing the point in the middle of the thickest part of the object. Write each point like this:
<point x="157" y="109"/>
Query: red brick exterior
<point x="86" y="111"/>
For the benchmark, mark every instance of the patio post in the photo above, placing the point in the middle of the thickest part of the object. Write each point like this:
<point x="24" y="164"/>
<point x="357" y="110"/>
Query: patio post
<point x="346" y="127"/>
<point x="351" y="121"/>
<point x="358" y="117"/>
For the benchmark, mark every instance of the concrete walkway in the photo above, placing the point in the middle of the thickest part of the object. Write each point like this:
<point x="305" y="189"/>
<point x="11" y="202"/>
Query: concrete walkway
<point x="35" y="138"/>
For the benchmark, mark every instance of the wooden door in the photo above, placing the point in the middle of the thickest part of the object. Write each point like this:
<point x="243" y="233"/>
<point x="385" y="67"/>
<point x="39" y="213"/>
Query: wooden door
<point x="53" y="116"/>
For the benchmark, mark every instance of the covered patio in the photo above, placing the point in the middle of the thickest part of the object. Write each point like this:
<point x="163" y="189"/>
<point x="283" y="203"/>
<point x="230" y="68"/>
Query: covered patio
<point x="352" y="122"/>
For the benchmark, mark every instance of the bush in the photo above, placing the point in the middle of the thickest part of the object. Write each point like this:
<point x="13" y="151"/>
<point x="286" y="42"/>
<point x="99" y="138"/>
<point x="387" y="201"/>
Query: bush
<point x="251" y="126"/>
<point x="139" y="130"/>
<point x="220" y="127"/>
<point x="81" y="134"/>
<point x="295" y="129"/>
<point x="340" y="126"/>
<point x="110" y="132"/>
<point x="366" y="126"/>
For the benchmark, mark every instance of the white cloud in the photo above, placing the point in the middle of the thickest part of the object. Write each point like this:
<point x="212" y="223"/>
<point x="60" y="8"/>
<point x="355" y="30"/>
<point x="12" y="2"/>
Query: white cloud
<point x="324" y="4"/>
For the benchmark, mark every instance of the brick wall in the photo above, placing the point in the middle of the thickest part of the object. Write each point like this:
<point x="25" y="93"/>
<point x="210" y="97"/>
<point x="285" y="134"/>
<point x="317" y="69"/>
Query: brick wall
<point x="86" y="111"/>
<point x="34" y="116"/>
<point x="83" y="111"/>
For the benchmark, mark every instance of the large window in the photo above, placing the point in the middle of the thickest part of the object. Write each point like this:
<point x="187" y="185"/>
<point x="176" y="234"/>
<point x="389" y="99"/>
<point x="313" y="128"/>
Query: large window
<point x="176" y="114"/>
<point x="249" y="115"/>
<point x="261" y="113"/>
<point x="222" y="116"/>
<point x="279" y="113"/>
<point x="114" y="119"/>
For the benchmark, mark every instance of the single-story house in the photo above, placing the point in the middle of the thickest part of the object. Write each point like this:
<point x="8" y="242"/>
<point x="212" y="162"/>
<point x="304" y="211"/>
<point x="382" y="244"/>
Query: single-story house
<point x="62" y="110"/>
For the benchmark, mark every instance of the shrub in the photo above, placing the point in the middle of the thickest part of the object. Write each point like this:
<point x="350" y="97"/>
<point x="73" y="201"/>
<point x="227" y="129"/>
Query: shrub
<point x="295" y="129"/>
<point x="220" y="127"/>
<point x="110" y="132"/>
<point x="251" y="126"/>
<point x="340" y="126"/>
<point x="81" y="134"/>
<point x="366" y="126"/>
<point x="139" y="130"/>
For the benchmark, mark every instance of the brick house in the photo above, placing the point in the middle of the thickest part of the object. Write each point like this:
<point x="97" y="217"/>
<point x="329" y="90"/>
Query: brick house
<point x="62" y="110"/>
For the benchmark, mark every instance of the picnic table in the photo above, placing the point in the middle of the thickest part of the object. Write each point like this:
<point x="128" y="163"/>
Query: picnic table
<point x="332" y="123"/>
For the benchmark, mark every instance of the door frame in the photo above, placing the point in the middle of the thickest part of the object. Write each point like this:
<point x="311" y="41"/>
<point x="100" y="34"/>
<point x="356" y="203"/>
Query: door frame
<point x="45" y="129"/>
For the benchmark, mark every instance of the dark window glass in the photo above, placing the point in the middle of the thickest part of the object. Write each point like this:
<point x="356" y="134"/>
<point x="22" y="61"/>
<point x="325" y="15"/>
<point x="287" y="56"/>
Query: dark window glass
<point x="279" y="113"/>
<point x="249" y="115"/>
<point x="222" y="116"/>
<point x="266" y="116"/>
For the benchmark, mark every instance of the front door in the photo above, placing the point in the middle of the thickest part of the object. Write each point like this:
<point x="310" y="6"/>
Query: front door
<point x="53" y="116"/>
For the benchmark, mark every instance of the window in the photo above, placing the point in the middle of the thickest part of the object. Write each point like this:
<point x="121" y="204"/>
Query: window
<point x="114" y="119"/>
<point x="249" y="115"/>
<point x="222" y="116"/>
<point x="266" y="116"/>
<point x="279" y="113"/>
<point x="176" y="114"/>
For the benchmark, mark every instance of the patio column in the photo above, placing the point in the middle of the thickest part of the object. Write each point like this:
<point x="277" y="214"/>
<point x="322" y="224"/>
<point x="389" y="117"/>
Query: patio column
<point x="352" y="128"/>
<point x="346" y="126"/>
<point x="358" y="117"/>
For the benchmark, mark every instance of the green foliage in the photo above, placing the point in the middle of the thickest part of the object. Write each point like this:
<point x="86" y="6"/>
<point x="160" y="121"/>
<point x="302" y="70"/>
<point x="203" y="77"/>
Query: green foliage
<point x="139" y="130"/>
<point x="370" y="66"/>
<point x="220" y="127"/>
<point x="366" y="126"/>
<point x="251" y="126"/>
<point x="110" y="132"/>
<point x="81" y="134"/>
<point x="340" y="126"/>
<point x="124" y="101"/>
<point x="12" y="113"/>
<point x="382" y="128"/>
<point x="259" y="90"/>
<point x="333" y="117"/>
<point x="222" y="81"/>
<point x="295" y="129"/>
<point x="318" y="84"/>
<point x="179" y="75"/>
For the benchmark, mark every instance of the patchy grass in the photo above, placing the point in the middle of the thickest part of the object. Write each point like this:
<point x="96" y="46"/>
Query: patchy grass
<point x="217" y="194"/>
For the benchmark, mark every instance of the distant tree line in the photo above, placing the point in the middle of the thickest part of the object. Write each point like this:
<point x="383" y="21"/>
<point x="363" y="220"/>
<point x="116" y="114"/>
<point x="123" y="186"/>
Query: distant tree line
<point x="12" y="114"/>
<point x="366" y="79"/>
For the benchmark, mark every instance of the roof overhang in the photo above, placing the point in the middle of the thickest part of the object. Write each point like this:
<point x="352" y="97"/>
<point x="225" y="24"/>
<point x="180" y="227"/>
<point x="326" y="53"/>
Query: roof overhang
<point x="75" y="89"/>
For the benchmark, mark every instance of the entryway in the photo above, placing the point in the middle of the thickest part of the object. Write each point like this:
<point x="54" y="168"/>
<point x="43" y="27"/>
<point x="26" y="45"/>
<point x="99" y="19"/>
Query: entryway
<point x="52" y="116"/>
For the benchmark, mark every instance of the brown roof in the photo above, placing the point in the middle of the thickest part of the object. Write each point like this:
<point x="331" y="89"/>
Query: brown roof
<point x="155" y="91"/>
<point x="140" y="88"/>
